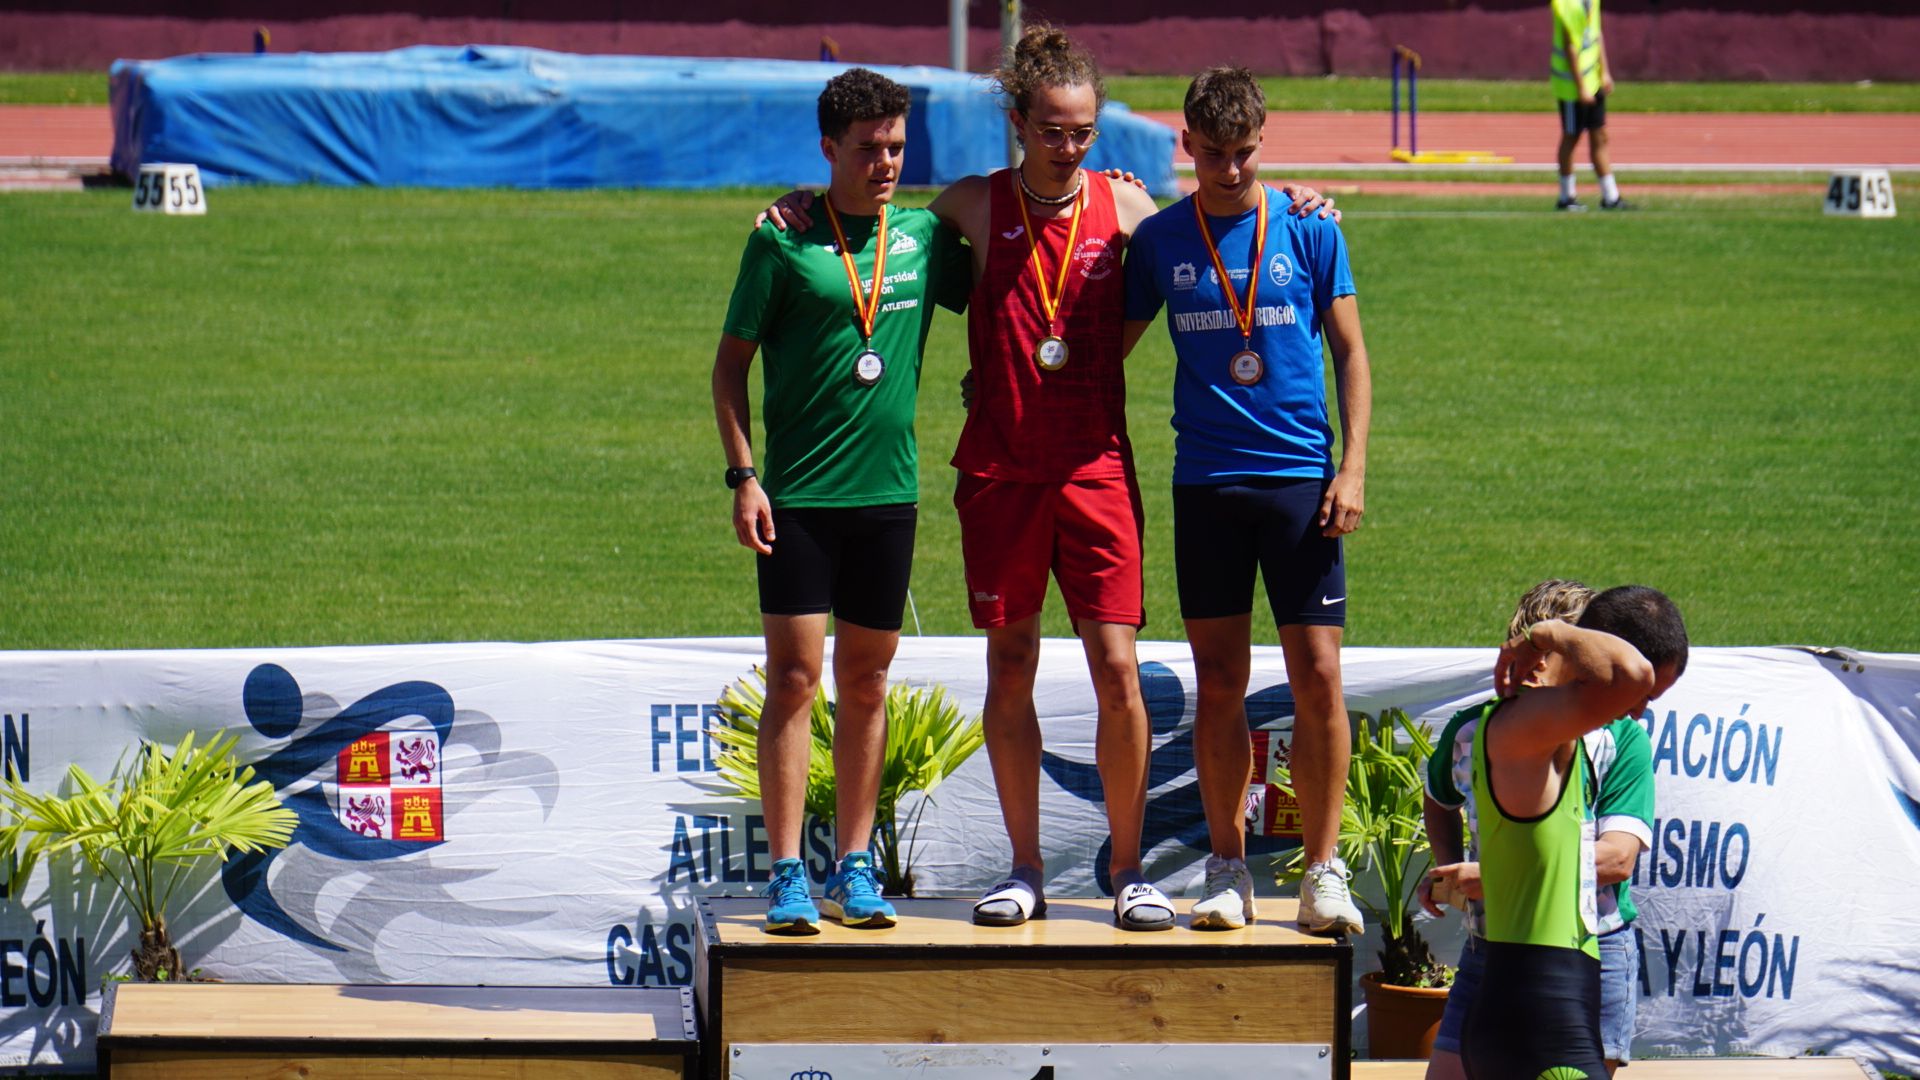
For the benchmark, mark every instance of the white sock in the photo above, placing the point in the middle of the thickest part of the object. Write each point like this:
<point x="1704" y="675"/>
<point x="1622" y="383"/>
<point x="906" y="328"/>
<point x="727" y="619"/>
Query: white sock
<point x="1566" y="185"/>
<point x="1609" y="191"/>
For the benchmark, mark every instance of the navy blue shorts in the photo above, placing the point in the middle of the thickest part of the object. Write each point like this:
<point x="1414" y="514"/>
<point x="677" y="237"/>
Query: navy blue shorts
<point x="1576" y="118"/>
<point x="852" y="561"/>
<point x="1538" y="1009"/>
<point x="1222" y="533"/>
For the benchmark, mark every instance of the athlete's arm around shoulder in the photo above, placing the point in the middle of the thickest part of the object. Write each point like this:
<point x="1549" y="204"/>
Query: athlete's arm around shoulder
<point x="1602" y="677"/>
<point x="1133" y="206"/>
<point x="963" y="205"/>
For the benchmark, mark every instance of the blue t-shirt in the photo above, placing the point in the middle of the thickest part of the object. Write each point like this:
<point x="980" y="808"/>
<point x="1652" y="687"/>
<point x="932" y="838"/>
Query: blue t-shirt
<point x="1223" y="430"/>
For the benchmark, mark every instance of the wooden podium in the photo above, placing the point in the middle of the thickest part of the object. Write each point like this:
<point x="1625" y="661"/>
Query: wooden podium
<point x="935" y="979"/>
<point x="227" y="1031"/>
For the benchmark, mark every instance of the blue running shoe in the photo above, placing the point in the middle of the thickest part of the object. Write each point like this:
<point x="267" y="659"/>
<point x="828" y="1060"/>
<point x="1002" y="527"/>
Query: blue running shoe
<point x="853" y="894"/>
<point x="789" y="909"/>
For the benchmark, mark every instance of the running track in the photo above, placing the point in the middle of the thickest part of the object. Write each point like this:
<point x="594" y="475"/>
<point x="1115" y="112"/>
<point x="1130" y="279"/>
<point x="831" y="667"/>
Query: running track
<point x="1644" y="140"/>
<point x="80" y="137"/>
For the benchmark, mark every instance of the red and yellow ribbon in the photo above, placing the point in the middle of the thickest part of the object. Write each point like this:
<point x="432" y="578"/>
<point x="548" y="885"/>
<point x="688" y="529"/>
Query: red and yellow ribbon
<point x="1243" y="317"/>
<point x="1050" y="301"/>
<point x="865" y="308"/>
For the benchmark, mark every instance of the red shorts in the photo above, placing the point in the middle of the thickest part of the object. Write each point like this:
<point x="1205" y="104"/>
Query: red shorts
<point x="1086" y="532"/>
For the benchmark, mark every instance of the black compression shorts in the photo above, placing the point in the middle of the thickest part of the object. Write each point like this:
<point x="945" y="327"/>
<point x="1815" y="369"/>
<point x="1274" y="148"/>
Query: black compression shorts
<point x="852" y="561"/>
<point x="1222" y="532"/>
<point x="1537" y="1016"/>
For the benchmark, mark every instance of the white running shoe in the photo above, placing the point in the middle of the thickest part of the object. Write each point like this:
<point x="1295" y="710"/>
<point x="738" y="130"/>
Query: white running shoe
<point x="1326" y="907"/>
<point x="1228" y="904"/>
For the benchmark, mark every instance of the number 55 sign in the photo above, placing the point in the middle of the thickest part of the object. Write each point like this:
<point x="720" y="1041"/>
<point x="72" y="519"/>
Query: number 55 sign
<point x="1860" y="193"/>
<point x="170" y="189"/>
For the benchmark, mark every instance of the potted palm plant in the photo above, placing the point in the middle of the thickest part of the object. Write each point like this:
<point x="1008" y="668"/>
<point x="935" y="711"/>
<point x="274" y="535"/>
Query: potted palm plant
<point x="146" y="828"/>
<point x="1383" y="840"/>
<point x="927" y="739"/>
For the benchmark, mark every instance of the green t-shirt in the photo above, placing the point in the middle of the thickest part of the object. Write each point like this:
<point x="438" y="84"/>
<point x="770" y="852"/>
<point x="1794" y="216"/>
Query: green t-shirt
<point x="1537" y="873"/>
<point x="1620" y="758"/>
<point x="832" y="441"/>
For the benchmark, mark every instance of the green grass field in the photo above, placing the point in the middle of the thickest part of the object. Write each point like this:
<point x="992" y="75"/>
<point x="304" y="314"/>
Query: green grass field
<point x="350" y="416"/>
<point x="1336" y="93"/>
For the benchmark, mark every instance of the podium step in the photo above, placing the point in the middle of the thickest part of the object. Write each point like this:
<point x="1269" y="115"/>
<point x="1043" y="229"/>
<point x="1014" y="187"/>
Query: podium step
<point x="230" y="1031"/>
<point x="1070" y="978"/>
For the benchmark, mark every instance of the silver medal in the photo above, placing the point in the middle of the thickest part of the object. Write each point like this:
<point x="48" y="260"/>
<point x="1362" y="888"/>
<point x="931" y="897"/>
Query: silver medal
<point x="868" y="367"/>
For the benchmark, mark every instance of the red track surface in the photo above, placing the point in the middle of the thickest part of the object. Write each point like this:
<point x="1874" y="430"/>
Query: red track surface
<point x="83" y="134"/>
<point x="55" y="133"/>
<point x="1790" y="140"/>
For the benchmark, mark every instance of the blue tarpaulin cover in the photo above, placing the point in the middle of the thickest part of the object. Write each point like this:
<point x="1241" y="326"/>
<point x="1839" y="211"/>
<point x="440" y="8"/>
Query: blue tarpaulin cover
<point x="487" y="116"/>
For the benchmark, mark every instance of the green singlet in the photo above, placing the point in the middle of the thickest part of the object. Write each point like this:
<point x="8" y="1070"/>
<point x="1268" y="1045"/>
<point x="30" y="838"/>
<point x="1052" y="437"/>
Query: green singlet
<point x="832" y="441"/>
<point x="1537" y="873"/>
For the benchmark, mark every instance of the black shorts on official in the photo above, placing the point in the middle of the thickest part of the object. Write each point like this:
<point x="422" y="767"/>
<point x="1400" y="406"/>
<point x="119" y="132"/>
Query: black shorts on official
<point x="1223" y="532"/>
<point x="852" y="561"/>
<point x="1576" y="118"/>
<point x="1538" y="1008"/>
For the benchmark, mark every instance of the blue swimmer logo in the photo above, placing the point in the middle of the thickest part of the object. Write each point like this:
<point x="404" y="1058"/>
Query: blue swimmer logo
<point x="366" y="782"/>
<point x="1280" y="269"/>
<point x="1177" y="814"/>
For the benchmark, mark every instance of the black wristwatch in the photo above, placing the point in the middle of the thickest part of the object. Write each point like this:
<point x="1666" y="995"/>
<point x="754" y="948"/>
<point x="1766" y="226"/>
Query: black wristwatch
<point x="739" y="475"/>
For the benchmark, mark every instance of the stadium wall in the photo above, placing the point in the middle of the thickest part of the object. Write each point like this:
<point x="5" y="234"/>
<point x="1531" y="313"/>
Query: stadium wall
<point x="1772" y="40"/>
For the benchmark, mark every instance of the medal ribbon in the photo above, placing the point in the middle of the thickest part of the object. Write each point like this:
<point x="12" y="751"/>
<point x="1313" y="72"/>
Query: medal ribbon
<point x="1050" y="302"/>
<point x="866" y="308"/>
<point x="1244" y="318"/>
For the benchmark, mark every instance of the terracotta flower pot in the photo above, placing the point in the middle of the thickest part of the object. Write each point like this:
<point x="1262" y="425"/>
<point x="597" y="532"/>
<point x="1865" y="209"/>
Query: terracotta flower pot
<point x="1401" y="1020"/>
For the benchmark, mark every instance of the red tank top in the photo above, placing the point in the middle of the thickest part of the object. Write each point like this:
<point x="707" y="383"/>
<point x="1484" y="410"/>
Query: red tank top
<point x="1028" y="424"/>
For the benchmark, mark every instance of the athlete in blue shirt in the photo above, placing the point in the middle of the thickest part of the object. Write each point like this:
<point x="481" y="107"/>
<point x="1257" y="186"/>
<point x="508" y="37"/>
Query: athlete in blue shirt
<point x="1248" y="290"/>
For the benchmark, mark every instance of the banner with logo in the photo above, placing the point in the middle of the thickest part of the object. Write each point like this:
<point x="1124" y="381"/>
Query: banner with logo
<point x="546" y="814"/>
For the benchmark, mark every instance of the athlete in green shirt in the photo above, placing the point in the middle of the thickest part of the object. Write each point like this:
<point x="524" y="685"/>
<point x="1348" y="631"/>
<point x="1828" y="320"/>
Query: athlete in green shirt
<point x="841" y="312"/>
<point x="1539" y="1003"/>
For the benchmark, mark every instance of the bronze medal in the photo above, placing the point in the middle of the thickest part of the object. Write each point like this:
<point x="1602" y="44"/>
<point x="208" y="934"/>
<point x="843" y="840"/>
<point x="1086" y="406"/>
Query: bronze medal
<point x="1246" y="367"/>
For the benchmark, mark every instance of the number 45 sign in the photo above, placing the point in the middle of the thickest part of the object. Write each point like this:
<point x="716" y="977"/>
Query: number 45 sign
<point x="1860" y="193"/>
<point x="170" y="189"/>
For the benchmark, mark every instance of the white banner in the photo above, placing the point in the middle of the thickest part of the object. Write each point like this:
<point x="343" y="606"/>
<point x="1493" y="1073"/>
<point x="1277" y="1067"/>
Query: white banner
<point x="545" y="815"/>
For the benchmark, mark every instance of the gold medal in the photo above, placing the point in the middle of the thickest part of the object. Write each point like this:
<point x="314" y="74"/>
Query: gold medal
<point x="868" y="366"/>
<point x="1051" y="353"/>
<point x="1246" y="367"/>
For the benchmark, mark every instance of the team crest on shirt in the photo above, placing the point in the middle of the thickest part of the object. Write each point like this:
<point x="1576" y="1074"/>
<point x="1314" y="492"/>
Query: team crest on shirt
<point x="1280" y="269"/>
<point x="1095" y="259"/>
<point x="903" y="244"/>
<point x="1185" y="277"/>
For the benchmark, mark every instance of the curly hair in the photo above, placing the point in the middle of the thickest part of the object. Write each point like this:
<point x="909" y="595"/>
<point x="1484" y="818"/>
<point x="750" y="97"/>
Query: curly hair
<point x="1554" y="598"/>
<point x="1225" y="103"/>
<point x="858" y="94"/>
<point x="1043" y="58"/>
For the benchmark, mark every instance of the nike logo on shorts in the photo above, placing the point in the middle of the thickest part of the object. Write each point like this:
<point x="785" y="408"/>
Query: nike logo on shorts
<point x="1329" y="601"/>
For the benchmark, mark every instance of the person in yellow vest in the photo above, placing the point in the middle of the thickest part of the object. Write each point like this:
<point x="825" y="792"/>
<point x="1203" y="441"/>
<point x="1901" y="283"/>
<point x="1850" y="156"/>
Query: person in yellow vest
<point x="1538" y="1010"/>
<point x="1581" y="82"/>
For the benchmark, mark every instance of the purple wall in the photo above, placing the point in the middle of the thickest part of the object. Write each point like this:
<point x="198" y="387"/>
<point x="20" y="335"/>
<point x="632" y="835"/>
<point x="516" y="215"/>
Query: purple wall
<point x="1649" y="39"/>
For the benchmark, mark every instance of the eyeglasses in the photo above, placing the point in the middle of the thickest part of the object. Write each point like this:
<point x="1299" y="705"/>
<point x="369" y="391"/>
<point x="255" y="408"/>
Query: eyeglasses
<point x="1057" y="137"/>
